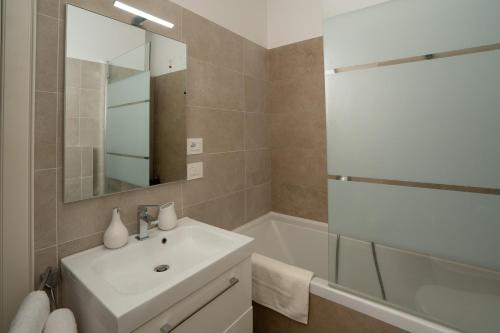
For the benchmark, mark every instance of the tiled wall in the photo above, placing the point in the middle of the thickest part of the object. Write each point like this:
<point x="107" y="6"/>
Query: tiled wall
<point x="324" y="317"/>
<point x="299" y="179"/>
<point x="84" y="121"/>
<point x="227" y="106"/>
<point x="169" y="126"/>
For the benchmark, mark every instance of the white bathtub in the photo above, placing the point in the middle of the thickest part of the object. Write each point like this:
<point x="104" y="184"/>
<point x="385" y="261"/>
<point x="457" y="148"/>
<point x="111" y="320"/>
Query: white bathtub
<point x="304" y="243"/>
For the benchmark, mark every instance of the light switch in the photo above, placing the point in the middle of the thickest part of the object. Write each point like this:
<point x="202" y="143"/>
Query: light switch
<point x="194" y="170"/>
<point x="194" y="146"/>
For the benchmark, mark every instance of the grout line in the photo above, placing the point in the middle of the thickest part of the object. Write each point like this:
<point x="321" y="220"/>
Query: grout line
<point x="45" y="249"/>
<point x="57" y="131"/>
<point x="46" y="169"/>
<point x="45" y="92"/>
<point x="205" y="62"/>
<point x="86" y="236"/>
<point x="214" y="108"/>
<point x="182" y="198"/>
<point x="48" y="16"/>
<point x="216" y="198"/>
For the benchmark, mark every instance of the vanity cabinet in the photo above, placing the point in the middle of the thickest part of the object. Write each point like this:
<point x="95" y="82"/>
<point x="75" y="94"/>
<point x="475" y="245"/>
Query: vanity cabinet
<point x="194" y="278"/>
<point x="222" y="306"/>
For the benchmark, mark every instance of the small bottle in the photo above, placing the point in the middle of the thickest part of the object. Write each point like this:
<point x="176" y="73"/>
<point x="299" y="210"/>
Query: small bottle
<point x="116" y="235"/>
<point x="167" y="218"/>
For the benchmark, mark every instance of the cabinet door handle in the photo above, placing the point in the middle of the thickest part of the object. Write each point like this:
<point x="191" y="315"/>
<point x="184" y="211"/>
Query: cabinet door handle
<point x="168" y="328"/>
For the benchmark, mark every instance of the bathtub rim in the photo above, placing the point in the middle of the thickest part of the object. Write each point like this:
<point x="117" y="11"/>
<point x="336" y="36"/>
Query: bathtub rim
<point x="321" y="287"/>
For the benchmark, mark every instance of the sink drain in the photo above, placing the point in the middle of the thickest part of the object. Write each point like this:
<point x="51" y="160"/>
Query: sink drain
<point x="161" y="268"/>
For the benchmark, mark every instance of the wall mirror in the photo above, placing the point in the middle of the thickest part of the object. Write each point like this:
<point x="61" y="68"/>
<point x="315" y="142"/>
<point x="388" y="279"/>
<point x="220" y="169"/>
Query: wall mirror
<point x="124" y="119"/>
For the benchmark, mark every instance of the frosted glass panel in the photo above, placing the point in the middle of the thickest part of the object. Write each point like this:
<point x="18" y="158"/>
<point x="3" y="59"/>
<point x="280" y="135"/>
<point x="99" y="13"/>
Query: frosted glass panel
<point x="455" y="225"/>
<point x="130" y="90"/>
<point x="432" y="121"/>
<point x="130" y="170"/>
<point x="127" y="130"/>
<point x="406" y="28"/>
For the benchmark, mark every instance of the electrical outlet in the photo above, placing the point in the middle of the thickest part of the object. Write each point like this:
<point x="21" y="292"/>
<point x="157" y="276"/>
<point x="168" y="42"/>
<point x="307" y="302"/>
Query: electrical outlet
<point x="194" y="170"/>
<point x="194" y="146"/>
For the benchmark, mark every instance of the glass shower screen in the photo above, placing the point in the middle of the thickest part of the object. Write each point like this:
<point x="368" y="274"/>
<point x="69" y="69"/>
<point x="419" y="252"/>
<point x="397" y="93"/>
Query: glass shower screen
<point x="413" y="122"/>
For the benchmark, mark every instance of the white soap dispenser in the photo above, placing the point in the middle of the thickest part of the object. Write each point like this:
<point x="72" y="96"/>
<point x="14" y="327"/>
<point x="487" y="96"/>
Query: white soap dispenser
<point x="167" y="218"/>
<point x="116" y="235"/>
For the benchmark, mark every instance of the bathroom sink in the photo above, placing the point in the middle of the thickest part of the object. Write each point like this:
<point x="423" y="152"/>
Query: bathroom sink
<point x="133" y="284"/>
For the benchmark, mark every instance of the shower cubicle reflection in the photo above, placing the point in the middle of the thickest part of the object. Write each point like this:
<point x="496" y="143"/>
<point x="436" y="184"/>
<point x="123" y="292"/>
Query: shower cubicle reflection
<point x="413" y="116"/>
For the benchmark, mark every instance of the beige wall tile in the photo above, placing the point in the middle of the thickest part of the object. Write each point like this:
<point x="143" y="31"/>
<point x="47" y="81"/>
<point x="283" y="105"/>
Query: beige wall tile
<point x="45" y="130"/>
<point x="43" y="259"/>
<point x="84" y="218"/>
<point x="222" y="131"/>
<point x="60" y="130"/>
<point x="157" y="195"/>
<point x="257" y="167"/>
<point x="223" y="174"/>
<point x="72" y="189"/>
<point x="258" y="201"/>
<point x="93" y="75"/>
<point x="48" y="7"/>
<point x="298" y="127"/>
<point x="257" y="131"/>
<point x="226" y="212"/>
<point x="299" y="130"/>
<point x="72" y="100"/>
<point x="256" y="61"/>
<point x="46" y="53"/>
<point x="73" y="70"/>
<point x="87" y="161"/>
<point x="91" y="103"/>
<point x="214" y="86"/>
<point x="87" y="187"/>
<point x="61" y="55"/>
<point x="72" y="132"/>
<point x="304" y="94"/>
<point x="299" y="166"/>
<point x="302" y="201"/>
<point x="45" y="210"/>
<point x="257" y="95"/>
<point x="296" y="60"/>
<point x="211" y="43"/>
<point x="90" y="132"/>
<point x="75" y="246"/>
<point x="73" y="162"/>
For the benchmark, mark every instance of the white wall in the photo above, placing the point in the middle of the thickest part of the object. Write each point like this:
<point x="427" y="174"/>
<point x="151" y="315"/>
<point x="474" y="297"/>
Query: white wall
<point x="337" y="7"/>
<point x="248" y="18"/>
<point x="291" y="21"/>
<point x="115" y="38"/>
<point x="166" y="52"/>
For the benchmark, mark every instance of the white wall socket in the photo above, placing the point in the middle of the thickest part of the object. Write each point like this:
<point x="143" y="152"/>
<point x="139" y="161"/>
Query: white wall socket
<point x="194" y="146"/>
<point x="194" y="170"/>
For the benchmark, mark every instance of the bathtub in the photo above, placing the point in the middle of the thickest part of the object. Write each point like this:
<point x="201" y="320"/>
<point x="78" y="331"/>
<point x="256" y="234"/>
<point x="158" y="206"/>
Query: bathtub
<point x="304" y="243"/>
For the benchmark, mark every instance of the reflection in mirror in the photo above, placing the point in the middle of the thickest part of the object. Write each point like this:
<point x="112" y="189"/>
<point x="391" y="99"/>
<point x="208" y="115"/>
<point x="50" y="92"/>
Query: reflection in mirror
<point x="124" y="107"/>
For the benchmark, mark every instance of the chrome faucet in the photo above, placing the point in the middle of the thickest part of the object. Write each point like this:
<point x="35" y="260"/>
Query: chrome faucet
<point x="145" y="220"/>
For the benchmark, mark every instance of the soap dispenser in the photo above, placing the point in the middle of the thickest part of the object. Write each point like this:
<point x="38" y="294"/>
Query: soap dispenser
<point x="167" y="218"/>
<point x="116" y="235"/>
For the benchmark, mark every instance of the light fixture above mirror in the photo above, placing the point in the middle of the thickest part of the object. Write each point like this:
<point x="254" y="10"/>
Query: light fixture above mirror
<point x="140" y="13"/>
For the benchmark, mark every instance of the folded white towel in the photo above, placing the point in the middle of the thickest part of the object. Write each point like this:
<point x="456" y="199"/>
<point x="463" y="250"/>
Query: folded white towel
<point x="60" y="321"/>
<point x="32" y="314"/>
<point x="281" y="287"/>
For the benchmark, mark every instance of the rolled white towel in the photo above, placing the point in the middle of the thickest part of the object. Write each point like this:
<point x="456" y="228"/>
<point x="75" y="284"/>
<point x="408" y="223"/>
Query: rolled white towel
<point x="32" y="314"/>
<point x="60" y="321"/>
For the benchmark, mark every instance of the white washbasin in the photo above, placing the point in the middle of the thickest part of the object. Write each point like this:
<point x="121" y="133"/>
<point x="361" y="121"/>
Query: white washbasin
<point x="126" y="286"/>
